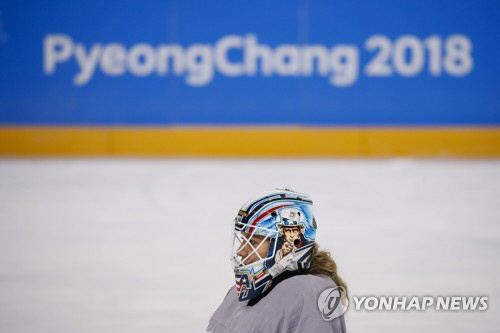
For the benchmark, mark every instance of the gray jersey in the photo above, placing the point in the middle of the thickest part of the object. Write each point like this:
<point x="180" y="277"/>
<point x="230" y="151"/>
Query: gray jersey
<point x="292" y="306"/>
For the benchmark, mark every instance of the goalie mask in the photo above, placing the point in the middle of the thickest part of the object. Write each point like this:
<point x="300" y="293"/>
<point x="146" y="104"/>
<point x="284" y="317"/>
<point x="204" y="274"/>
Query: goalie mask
<point x="273" y="233"/>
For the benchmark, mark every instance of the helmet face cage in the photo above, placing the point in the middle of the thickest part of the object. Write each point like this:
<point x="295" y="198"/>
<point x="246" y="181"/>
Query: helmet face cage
<point x="259" y="224"/>
<point x="246" y="246"/>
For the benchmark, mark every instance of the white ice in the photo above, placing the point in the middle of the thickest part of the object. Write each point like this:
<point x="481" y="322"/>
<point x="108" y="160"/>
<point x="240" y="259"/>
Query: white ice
<point x="143" y="245"/>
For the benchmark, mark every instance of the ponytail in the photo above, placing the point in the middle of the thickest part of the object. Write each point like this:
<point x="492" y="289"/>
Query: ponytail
<point x="322" y="263"/>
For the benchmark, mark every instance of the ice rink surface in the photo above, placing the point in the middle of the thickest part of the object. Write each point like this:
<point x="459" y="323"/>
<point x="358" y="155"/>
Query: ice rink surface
<point x="143" y="245"/>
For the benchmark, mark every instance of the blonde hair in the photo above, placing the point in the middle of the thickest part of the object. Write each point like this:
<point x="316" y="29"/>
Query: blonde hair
<point x="323" y="263"/>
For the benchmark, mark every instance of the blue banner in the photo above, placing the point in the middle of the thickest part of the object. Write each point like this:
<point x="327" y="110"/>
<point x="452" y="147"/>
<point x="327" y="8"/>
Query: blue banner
<point x="250" y="62"/>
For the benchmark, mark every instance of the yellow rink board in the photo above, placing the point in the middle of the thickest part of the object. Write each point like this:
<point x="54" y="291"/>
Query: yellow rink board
<point x="251" y="141"/>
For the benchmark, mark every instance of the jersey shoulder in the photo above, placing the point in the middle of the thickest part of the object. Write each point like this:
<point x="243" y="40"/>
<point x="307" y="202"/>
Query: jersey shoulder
<point x="305" y="285"/>
<point x="293" y="303"/>
<point x="297" y="292"/>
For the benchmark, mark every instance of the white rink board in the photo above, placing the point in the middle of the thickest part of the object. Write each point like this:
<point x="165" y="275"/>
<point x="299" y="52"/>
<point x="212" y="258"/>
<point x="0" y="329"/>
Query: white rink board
<point x="143" y="245"/>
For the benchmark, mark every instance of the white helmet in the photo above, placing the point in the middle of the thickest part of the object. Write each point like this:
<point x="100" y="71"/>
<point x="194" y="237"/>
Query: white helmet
<point x="261" y="250"/>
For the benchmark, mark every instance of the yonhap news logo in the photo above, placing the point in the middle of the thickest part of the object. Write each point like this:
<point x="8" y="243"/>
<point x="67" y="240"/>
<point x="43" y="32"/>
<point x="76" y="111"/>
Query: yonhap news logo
<point x="332" y="303"/>
<point x="421" y="303"/>
<point x="245" y="56"/>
